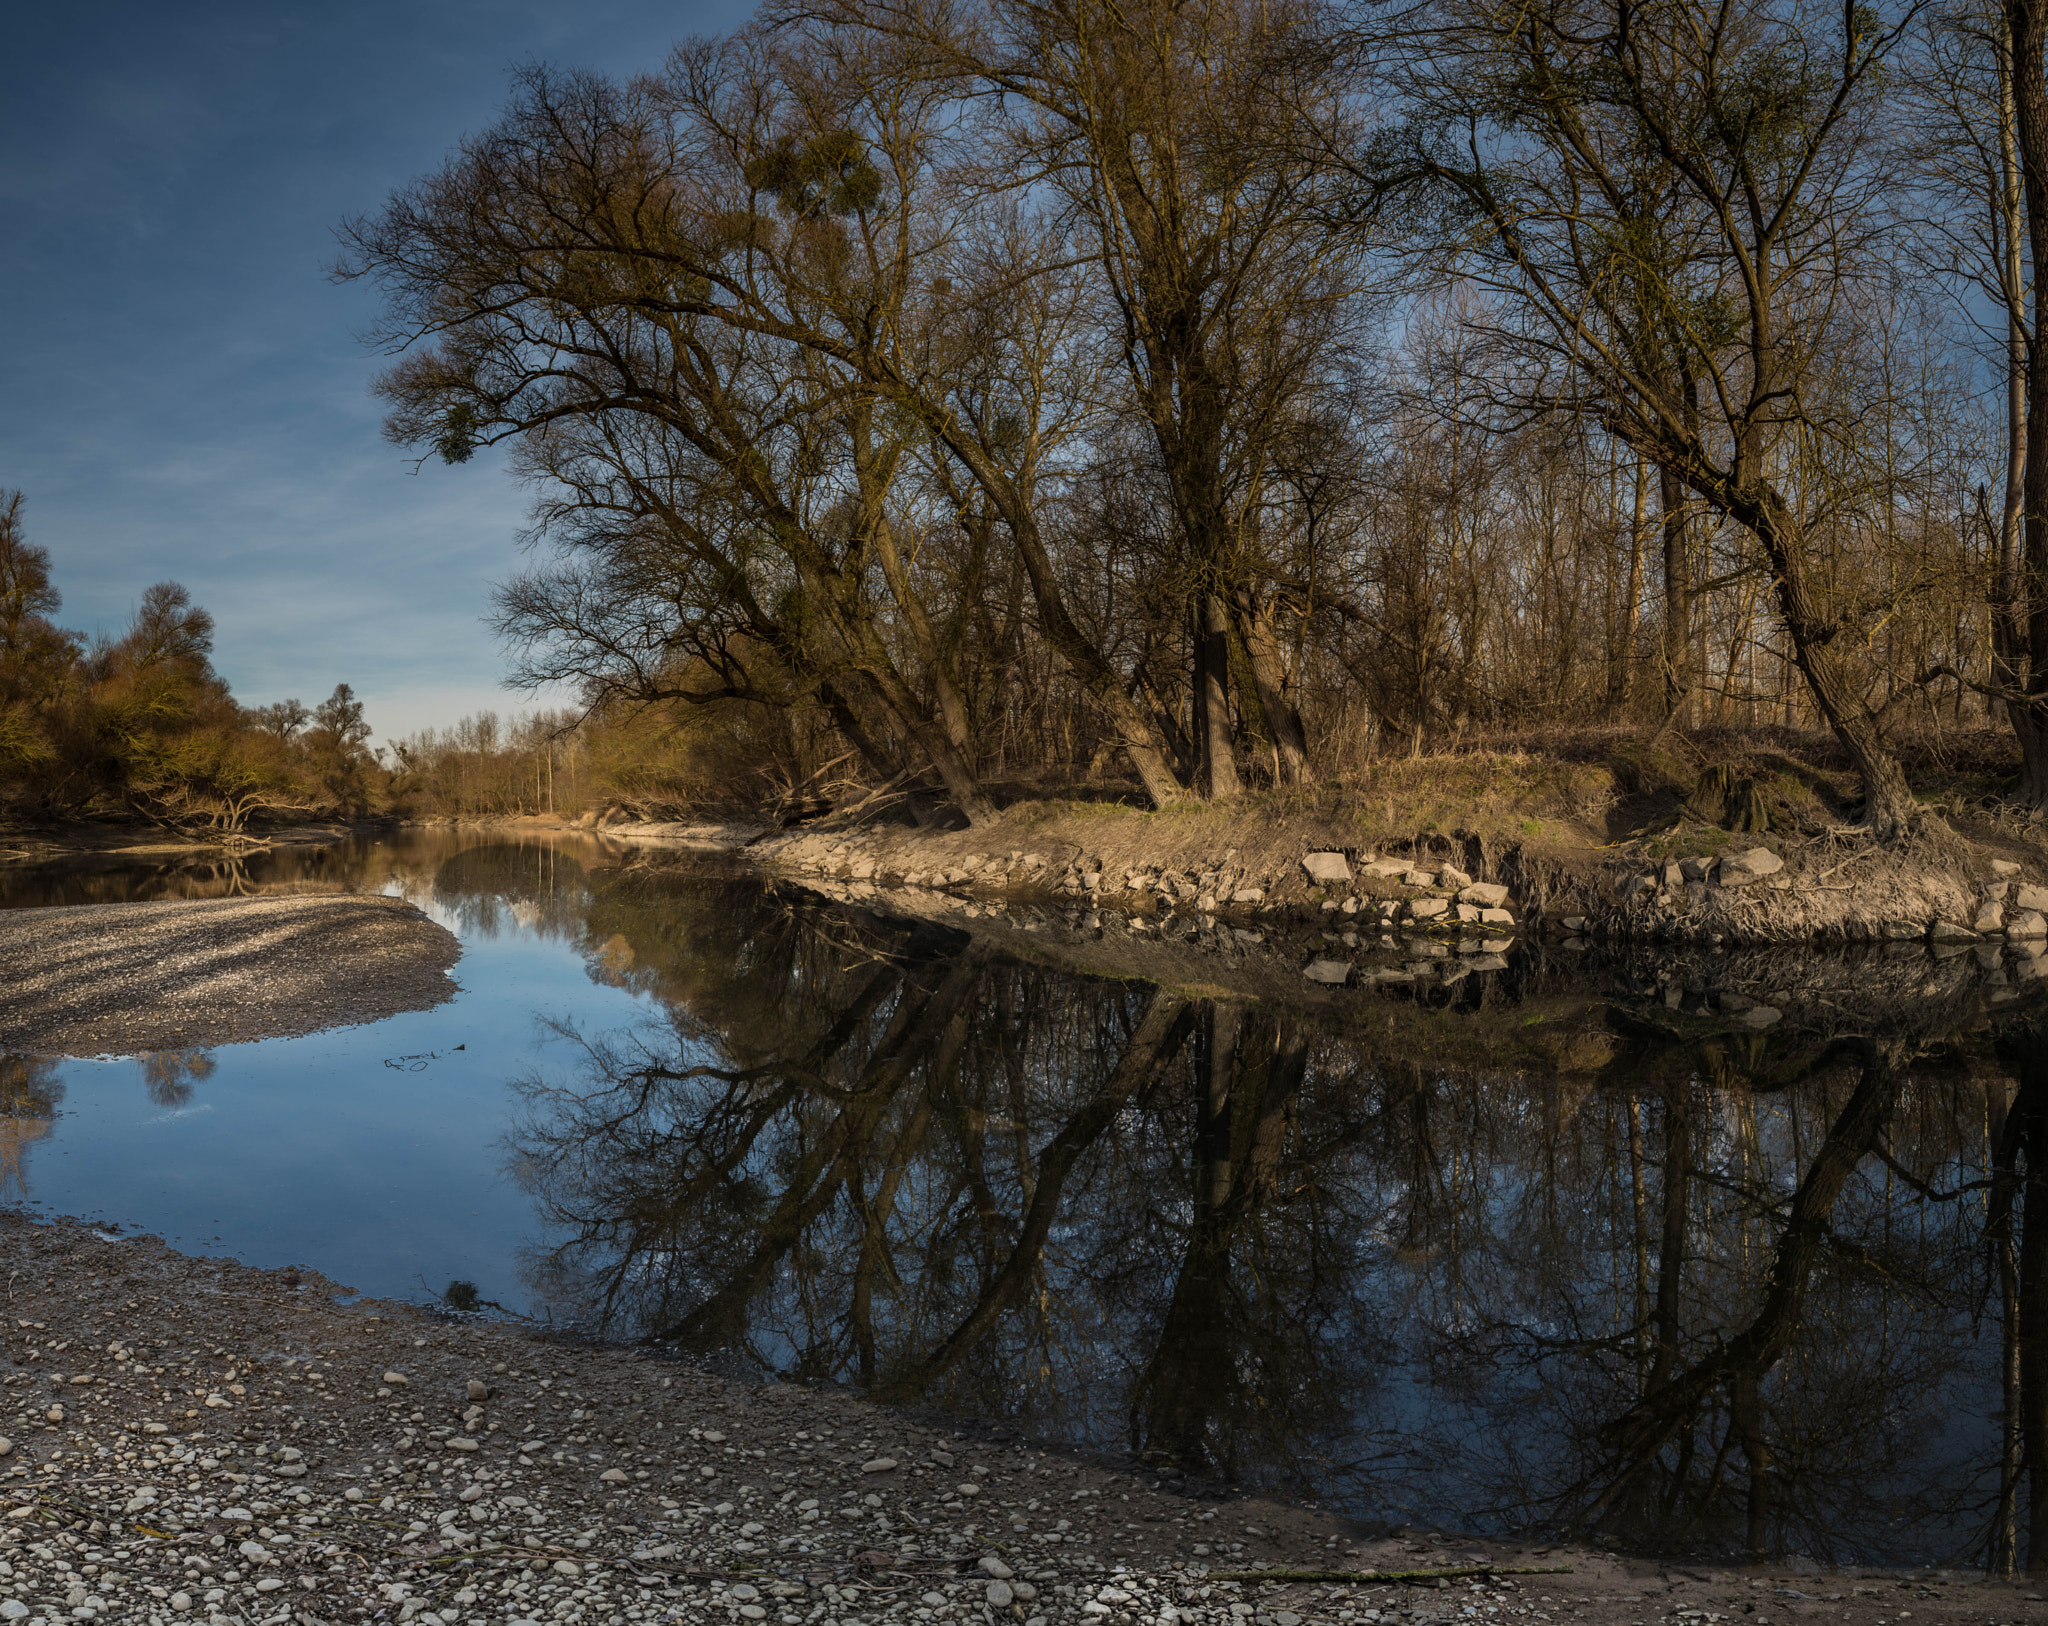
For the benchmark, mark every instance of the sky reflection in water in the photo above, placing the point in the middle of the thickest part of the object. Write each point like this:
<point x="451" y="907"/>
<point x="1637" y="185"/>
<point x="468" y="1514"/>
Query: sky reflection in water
<point x="1564" y="1242"/>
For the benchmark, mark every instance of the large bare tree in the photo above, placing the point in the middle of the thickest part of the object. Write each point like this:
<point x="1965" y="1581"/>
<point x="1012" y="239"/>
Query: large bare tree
<point x="1679" y="209"/>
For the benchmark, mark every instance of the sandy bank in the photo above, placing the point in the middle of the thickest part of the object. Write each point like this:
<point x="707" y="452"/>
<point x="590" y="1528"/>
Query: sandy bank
<point x="160" y="976"/>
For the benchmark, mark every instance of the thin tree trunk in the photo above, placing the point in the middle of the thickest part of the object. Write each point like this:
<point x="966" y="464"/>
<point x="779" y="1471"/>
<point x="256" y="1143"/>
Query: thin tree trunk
<point x="1269" y="676"/>
<point x="2027" y="30"/>
<point x="1677" y="647"/>
<point x="1219" y="781"/>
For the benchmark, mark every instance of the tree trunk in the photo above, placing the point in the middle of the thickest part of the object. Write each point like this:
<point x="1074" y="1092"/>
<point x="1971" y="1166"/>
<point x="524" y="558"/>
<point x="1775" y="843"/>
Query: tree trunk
<point x="1140" y="744"/>
<point x="1217" y="775"/>
<point x="1677" y="645"/>
<point x="960" y="781"/>
<point x="1621" y="678"/>
<point x="2027" y="29"/>
<point x="1888" y="807"/>
<point x="1269" y="677"/>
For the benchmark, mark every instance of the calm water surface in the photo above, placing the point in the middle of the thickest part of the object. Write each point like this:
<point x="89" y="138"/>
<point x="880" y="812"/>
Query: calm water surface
<point x="1706" y="1254"/>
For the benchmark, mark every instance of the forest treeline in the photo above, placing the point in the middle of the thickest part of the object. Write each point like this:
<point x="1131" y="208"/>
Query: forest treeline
<point x="942" y="391"/>
<point x="141" y="725"/>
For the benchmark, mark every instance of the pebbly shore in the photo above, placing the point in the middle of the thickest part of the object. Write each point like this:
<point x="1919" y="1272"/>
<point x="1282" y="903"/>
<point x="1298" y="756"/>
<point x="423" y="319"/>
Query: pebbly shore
<point x="1686" y="886"/>
<point x="99" y="978"/>
<point x="194" y="1440"/>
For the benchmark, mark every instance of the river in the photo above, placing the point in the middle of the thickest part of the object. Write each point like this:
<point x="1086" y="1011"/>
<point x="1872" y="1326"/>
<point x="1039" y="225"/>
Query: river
<point x="1578" y="1242"/>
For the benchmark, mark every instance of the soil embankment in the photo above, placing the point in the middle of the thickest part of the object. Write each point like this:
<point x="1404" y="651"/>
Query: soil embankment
<point x="103" y="978"/>
<point x="195" y="1440"/>
<point x="1687" y="883"/>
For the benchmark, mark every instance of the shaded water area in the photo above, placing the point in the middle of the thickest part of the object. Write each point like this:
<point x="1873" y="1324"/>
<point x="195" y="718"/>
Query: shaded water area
<point x="1575" y="1244"/>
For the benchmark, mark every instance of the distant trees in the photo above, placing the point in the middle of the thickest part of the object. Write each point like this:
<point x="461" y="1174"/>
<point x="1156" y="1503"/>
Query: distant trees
<point x="141" y="725"/>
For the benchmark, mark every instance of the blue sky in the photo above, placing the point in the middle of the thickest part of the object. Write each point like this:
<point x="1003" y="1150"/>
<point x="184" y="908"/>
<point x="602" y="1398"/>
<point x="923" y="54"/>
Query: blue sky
<point x="183" y="393"/>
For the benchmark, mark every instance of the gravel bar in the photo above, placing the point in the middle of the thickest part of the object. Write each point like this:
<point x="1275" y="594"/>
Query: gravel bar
<point x="104" y="979"/>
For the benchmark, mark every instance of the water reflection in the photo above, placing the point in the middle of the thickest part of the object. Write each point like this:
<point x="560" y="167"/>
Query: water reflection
<point x="29" y="1094"/>
<point x="1578" y="1249"/>
<point x="1697" y="1251"/>
<point x="171" y="1075"/>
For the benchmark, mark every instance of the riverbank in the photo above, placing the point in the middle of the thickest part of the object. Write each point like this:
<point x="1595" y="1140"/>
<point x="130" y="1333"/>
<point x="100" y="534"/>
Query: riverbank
<point x="196" y="1440"/>
<point x="105" y="978"/>
<point x="1684" y="882"/>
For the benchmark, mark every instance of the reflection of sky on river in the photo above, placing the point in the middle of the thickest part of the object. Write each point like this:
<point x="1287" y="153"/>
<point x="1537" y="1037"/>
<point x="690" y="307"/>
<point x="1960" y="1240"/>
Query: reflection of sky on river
<point x="1389" y="1312"/>
<point x="371" y="1154"/>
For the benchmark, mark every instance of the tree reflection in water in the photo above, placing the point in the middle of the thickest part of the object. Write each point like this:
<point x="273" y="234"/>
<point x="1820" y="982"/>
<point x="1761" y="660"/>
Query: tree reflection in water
<point x="1567" y="1246"/>
<point x="29" y="1093"/>
<point x="1687" y="1287"/>
<point x="171" y="1075"/>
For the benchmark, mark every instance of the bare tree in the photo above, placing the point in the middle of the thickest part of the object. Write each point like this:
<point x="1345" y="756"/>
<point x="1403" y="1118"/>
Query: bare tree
<point x="1676" y="208"/>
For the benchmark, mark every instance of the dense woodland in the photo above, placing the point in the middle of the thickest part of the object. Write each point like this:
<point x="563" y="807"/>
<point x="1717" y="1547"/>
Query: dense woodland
<point x="1207" y="397"/>
<point x="141" y="726"/>
<point x="1222" y="394"/>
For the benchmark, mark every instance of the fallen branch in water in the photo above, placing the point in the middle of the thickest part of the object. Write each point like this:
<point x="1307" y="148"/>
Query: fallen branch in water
<point x="1363" y="1577"/>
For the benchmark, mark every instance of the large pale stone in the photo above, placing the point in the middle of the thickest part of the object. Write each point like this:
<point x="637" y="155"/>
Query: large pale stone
<point x="1429" y="908"/>
<point x="1486" y="894"/>
<point x="1753" y="865"/>
<point x="1327" y="869"/>
<point x="1327" y="971"/>
<point x="1949" y="931"/>
<point x="2028" y="926"/>
<point x="2034" y="898"/>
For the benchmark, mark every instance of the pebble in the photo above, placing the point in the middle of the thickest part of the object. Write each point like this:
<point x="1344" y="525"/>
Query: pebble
<point x="999" y="1594"/>
<point x="880" y="1465"/>
<point x="479" y="1390"/>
